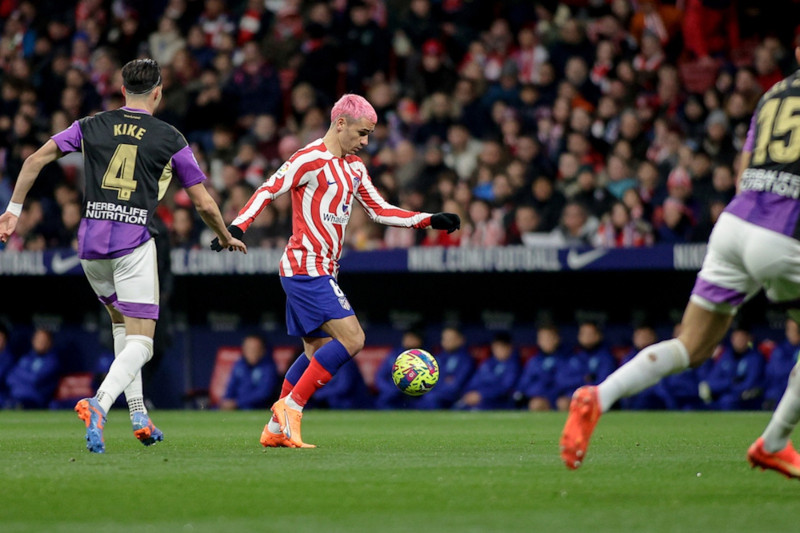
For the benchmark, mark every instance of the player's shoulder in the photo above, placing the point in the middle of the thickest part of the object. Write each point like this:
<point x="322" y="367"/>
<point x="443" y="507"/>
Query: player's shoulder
<point x="313" y="150"/>
<point x="357" y="164"/>
<point x="788" y="86"/>
<point x="311" y="157"/>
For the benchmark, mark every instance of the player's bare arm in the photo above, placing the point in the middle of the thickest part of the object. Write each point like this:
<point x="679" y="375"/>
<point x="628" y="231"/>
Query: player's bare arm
<point x="744" y="162"/>
<point x="209" y="212"/>
<point x="27" y="176"/>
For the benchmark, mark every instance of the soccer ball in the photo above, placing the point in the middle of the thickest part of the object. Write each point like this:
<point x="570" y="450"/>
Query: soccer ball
<point x="415" y="372"/>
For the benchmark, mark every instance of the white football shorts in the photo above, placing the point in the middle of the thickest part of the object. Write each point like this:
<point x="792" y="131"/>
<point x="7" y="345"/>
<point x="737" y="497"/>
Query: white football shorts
<point x="129" y="282"/>
<point x="741" y="259"/>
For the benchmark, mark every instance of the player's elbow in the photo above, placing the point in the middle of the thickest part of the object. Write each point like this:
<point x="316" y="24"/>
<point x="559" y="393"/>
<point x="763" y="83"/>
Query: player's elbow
<point x="205" y="206"/>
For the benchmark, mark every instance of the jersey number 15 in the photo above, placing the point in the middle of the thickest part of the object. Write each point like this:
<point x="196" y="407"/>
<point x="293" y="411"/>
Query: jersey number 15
<point x="778" y="131"/>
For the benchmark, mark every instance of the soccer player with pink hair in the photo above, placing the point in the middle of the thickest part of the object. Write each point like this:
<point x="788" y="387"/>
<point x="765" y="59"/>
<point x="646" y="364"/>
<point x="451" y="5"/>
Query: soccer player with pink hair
<point x="325" y="178"/>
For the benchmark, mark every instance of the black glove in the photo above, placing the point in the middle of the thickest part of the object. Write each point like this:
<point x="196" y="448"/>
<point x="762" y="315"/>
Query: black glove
<point x="448" y="221"/>
<point x="236" y="233"/>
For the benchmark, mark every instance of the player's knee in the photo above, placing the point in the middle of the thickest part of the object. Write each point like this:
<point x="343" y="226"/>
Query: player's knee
<point x="355" y="341"/>
<point x="143" y="344"/>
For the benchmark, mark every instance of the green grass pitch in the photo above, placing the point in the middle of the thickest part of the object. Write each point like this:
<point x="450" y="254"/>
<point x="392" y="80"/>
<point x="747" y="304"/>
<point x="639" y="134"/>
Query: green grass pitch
<point x="391" y="471"/>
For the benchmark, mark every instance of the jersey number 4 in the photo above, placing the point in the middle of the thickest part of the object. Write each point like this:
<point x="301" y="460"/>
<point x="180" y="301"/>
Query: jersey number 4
<point x="778" y="131"/>
<point x="119" y="174"/>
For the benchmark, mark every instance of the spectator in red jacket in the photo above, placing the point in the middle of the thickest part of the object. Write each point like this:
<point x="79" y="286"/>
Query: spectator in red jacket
<point x="710" y="28"/>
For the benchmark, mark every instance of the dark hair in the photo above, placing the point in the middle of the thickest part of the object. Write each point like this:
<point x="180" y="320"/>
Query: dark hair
<point x="141" y="76"/>
<point x="502" y="336"/>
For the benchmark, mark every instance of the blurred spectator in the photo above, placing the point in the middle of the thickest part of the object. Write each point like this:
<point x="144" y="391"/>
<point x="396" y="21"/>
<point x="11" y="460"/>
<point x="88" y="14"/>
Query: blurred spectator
<point x="198" y="49"/>
<point x="591" y="363"/>
<point x="183" y="234"/>
<point x="492" y="385"/>
<point x="67" y="233"/>
<point x="461" y="150"/>
<point x="734" y="380"/>
<point x="255" y="84"/>
<point x="166" y="41"/>
<point x="619" y="230"/>
<point x="437" y="114"/>
<point x="481" y="228"/>
<point x="416" y="26"/>
<point x="254" y="378"/>
<point x="432" y="73"/>
<point x="320" y="60"/>
<point x="456" y="367"/>
<point x="658" y="18"/>
<point x="577" y="228"/>
<point x="548" y="201"/>
<point x="215" y="22"/>
<point x="717" y="142"/>
<point x="766" y="66"/>
<point x="208" y="106"/>
<point x="530" y="55"/>
<point x="590" y="193"/>
<point x="254" y="22"/>
<point x="781" y="361"/>
<point x="368" y="45"/>
<point x="33" y="379"/>
<point x="525" y="223"/>
<point x="710" y="28"/>
<point x="675" y="222"/>
<point x="471" y="112"/>
<point x="537" y="385"/>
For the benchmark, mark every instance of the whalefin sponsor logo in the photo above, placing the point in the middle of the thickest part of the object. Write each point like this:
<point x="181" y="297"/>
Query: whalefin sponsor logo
<point x="342" y="219"/>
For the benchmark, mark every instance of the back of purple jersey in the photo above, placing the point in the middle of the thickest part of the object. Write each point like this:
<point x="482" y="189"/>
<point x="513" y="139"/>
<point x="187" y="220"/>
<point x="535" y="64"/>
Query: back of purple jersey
<point x="770" y="187"/>
<point x="129" y="159"/>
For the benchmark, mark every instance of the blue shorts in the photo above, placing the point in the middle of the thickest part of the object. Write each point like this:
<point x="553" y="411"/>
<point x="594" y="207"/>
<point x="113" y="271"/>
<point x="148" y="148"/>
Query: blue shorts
<point x="312" y="301"/>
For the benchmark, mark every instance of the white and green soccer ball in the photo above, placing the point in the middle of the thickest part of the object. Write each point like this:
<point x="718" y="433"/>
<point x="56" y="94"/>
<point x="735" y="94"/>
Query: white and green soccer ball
<point x="415" y="372"/>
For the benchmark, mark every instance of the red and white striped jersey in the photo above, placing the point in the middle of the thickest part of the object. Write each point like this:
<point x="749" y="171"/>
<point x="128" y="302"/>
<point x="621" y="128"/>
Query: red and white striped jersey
<point x="323" y="187"/>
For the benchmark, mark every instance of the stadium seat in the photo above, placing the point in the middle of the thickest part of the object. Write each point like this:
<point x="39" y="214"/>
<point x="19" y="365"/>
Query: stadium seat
<point x="223" y="365"/>
<point x="368" y="361"/>
<point x="71" y="388"/>
<point x="698" y="77"/>
<point x="284" y="356"/>
<point x="527" y="351"/>
<point x="480" y="352"/>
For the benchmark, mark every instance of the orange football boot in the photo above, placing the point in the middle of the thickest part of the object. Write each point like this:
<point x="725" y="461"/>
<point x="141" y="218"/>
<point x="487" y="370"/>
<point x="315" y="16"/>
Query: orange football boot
<point x="786" y="461"/>
<point x="290" y="419"/>
<point x="584" y="412"/>
<point x="275" y="440"/>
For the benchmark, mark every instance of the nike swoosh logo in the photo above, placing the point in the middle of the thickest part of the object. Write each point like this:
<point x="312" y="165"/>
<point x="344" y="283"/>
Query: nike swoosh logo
<point x="332" y="182"/>
<point x="577" y="260"/>
<point x="287" y="430"/>
<point x="61" y="265"/>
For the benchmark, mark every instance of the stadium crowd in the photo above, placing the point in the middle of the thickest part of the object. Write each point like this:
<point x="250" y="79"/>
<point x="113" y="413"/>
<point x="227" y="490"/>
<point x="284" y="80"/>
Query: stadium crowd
<point x="586" y="122"/>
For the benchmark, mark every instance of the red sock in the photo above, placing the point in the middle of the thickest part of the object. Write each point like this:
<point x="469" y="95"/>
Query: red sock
<point x="286" y="388"/>
<point x="315" y="377"/>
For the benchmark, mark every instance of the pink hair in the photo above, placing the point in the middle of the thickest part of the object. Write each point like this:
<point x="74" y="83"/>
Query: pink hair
<point x="355" y="107"/>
